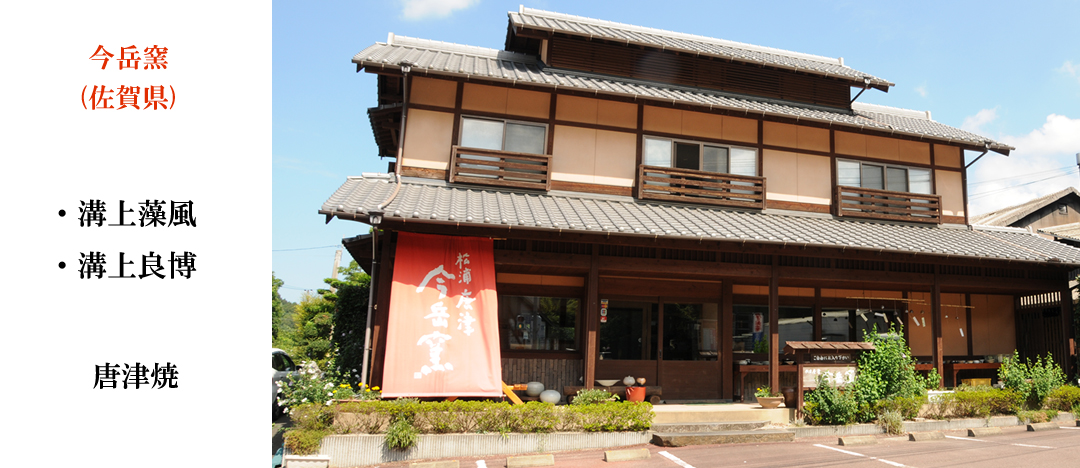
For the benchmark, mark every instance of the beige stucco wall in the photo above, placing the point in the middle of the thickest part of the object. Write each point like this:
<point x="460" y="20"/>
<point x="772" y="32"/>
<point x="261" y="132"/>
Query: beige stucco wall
<point x="593" y="156"/>
<point x="951" y="188"/>
<point x="428" y="139"/>
<point x="993" y="327"/>
<point x="795" y="136"/>
<point x="596" y="111"/>
<point x="433" y="92"/>
<point x="890" y="149"/>
<point x="510" y="101"/>
<point x="945" y="155"/>
<point x="797" y="177"/>
<point x="699" y="124"/>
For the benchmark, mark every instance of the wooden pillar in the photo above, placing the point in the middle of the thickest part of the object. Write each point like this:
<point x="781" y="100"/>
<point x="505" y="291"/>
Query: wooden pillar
<point x="935" y="313"/>
<point x="592" y="316"/>
<point x="817" y="314"/>
<point x="385" y="277"/>
<point x="727" y="341"/>
<point x="774" y="327"/>
<point x="1068" y="335"/>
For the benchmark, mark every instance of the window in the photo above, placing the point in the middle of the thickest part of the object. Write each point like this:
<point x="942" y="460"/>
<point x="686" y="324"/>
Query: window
<point x="708" y="157"/>
<point x="883" y="177"/>
<point x="500" y="135"/>
<point x="535" y="323"/>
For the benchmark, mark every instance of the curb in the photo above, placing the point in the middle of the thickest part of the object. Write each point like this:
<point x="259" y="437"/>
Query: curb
<point x="924" y="436"/>
<point x="857" y="440"/>
<point x="526" y="461"/>
<point x="626" y="455"/>
<point x="984" y="431"/>
<point x="1046" y="426"/>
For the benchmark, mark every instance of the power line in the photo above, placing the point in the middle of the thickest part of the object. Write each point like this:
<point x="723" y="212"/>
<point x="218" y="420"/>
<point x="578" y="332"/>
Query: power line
<point x="1048" y="171"/>
<point x="1004" y="189"/>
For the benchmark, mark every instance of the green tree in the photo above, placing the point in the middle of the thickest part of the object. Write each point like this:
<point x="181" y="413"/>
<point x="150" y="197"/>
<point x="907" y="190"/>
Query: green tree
<point x="888" y="371"/>
<point x="350" y="306"/>
<point x="314" y="321"/>
<point x="276" y="308"/>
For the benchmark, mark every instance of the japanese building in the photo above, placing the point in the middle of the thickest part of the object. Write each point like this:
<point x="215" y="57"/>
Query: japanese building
<point x="678" y="207"/>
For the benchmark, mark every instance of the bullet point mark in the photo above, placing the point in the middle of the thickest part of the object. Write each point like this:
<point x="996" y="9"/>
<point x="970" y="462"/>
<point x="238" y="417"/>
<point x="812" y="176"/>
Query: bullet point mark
<point x="62" y="213"/>
<point x="63" y="265"/>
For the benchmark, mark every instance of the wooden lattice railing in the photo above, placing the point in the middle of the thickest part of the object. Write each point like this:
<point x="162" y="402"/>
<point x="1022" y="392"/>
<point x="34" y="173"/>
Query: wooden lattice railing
<point x="502" y="168"/>
<point x="690" y="186"/>
<point x="887" y="205"/>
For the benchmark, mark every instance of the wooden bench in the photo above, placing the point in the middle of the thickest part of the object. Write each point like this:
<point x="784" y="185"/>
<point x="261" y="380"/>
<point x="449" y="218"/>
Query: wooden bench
<point x="652" y="393"/>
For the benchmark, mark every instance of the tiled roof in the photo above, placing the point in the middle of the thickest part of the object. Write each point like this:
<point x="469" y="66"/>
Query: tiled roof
<point x="442" y="58"/>
<point x="1012" y="214"/>
<point x="689" y="43"/>
<point x="1069" y="231"/>
<point x="422" y="200"/>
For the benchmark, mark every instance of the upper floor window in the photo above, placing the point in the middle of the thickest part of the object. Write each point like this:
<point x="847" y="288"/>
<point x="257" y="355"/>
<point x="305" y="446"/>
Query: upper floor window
<point x="503" y="135"/>
<point x="883" y="177"/>
<point x="665" y="152"/>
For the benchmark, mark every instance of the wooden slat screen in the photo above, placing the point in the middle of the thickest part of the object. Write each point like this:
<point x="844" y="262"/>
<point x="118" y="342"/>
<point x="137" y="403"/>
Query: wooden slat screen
<point x="690" y="186"/>
<point x="886" y="205"/>
<point x="501" y="168"/>
<point x="667" y="67"/>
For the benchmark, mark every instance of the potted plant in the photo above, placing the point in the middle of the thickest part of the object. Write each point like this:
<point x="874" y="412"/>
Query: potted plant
<point x="767" y="398"/>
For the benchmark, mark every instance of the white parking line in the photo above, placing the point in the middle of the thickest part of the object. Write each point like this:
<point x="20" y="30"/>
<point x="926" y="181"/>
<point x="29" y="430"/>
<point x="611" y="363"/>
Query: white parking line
<point x="1067" y="427"/>
<point x="979" y="440"/>
<point x="859" y="455"/>
<point x="676" y="460"/>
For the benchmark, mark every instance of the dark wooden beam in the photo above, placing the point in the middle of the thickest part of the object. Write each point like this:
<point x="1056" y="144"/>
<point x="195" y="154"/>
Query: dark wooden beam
<point x="727" y="341"/>
<point x="592" y="319"/>
<point x="774" y="327"/>
<point x="935" y="312"/>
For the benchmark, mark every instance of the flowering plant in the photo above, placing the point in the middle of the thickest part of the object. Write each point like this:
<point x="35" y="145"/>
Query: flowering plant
<point x="765" y="392"/>
<point x="308" y="385"/>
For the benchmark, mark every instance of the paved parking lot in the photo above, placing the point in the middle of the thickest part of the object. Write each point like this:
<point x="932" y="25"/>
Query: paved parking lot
<point x="1015" y="447"/>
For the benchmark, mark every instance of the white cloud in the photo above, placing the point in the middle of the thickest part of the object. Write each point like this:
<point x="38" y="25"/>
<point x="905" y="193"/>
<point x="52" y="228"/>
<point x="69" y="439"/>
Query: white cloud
<point x="975" y="122"/>
<point x="425" y="9"/>
<point x="1044" y="160"/>
<point x="1071" y="69"/>
<point x="921" y="90"/>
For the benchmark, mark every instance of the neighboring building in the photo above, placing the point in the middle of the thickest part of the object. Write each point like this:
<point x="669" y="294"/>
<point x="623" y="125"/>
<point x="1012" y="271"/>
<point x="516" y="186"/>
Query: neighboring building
<point x="1055" y="216"/>
<point x="656" y="198"/>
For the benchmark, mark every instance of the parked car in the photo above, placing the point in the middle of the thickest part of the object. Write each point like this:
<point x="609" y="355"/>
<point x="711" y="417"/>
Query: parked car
<point x="283" y="368"/>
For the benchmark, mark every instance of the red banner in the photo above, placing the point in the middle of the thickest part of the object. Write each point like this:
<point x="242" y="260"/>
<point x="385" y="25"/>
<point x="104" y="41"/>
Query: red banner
<point x="443" y="335"/>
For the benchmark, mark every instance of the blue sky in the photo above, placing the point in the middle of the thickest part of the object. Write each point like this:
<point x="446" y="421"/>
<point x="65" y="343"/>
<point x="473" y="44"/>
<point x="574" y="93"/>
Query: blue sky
<point x="1001" y="69"/>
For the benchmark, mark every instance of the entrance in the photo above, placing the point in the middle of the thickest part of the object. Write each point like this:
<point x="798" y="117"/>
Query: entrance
<point x="672" y="343"/>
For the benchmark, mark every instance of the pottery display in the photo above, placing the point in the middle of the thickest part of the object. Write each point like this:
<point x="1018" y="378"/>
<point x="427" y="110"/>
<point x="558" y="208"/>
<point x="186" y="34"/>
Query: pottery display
<point x="607" y="383"/>
<point x="534" y="388"/>
<point x="628" y="380"/>
<point x="641" y="380"/>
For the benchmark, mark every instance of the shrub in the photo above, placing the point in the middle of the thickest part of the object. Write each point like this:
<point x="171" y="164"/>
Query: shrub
<point x="1064" y="398"/>
<point x="1034" y="381"/>
<point x="1037" y="416"/>
<point x="534" y="416"/>
<point x="906" y="407"/>
<point x="612" y="417"/>
<point x="593" y="396"/>
<point x="891" y="421"/>
<point x="401" y="435"/>
<point x="304" y="442"/>
<point x="829" y="405"/>
<point x="887" y="371"/>
<point x="975" y="402"/>
<point x="309" y="385"/>
<point x="311" y="422"/>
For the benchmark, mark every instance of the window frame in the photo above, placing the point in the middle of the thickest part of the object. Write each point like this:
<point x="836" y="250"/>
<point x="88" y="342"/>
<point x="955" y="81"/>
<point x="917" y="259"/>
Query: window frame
<point x="701" y="154"/>
<point x="558" y="292"/>
<point x="885" y="175"/>
<point x="504" y="122"/>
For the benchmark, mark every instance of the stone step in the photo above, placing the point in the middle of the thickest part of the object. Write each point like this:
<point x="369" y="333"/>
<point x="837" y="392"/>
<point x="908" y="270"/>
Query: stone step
<point x="717" y="426"/>
<point x="683" y="439"/>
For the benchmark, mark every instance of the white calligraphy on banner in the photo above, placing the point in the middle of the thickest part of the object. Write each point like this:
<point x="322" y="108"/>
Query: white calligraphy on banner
<point x="439" y="316"/>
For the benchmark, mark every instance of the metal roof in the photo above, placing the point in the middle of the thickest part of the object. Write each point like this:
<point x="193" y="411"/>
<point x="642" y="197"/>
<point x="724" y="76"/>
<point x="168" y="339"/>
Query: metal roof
<point x="689" y="43"/>
<point x="442" y="58"/>
<point x="429" y="201"/>
<point x="1012" y="214"/>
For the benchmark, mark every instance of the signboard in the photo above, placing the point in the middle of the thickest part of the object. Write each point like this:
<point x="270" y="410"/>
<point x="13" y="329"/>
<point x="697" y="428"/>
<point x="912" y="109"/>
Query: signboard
<point x="759" y="323"/>
<point x="838" y="358"/>
<point x="839" y="376"/>
<point x="443" y="334"/>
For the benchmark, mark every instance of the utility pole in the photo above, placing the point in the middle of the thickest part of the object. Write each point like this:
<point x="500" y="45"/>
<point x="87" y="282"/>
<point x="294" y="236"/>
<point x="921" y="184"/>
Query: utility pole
<point x="1078" y="159"/>
<point x="333" y="274"/>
